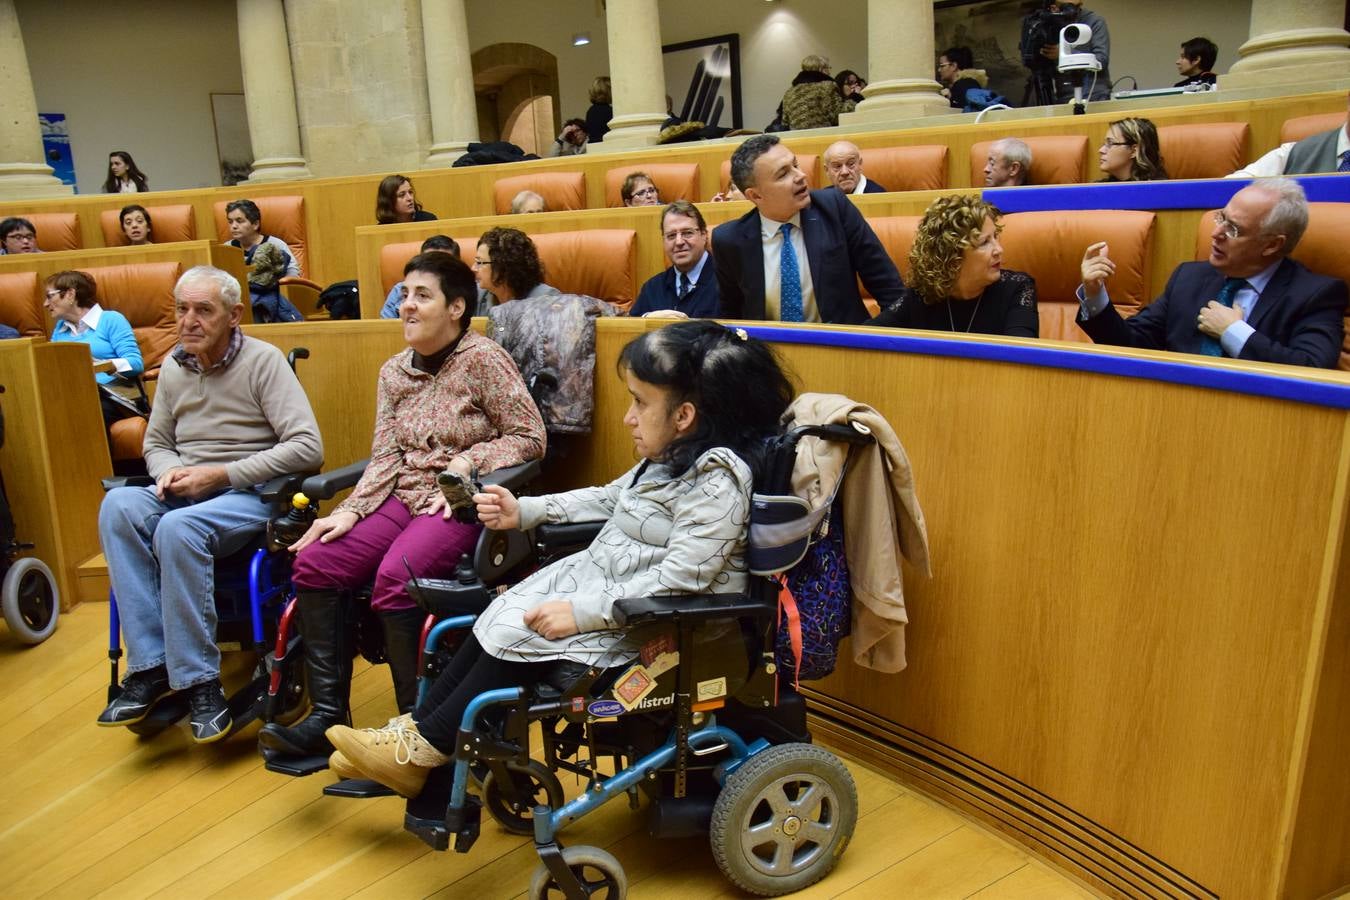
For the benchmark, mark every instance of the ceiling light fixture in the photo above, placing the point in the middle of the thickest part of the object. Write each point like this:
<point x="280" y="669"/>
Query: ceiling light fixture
<point x="581" y="39"/>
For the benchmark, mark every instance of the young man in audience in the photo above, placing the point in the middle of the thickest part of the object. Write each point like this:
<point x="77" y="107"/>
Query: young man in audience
<point x="1248" y="301"/>
<point x="844" y="166"/>
<point x="438" y="242"/>
<point x="17" y="236"/>
<point x="688" y="289"/>
<point x="1328" y="151"/>
<point x="797" y="256"/>
<point x="1009" y="163"/>
<point x="1196" y="63"/>
<point x="229" y="415"/>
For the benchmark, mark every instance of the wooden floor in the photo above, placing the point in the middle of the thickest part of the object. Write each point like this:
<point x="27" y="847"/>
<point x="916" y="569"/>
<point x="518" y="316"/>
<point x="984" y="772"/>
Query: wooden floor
<point x="88" y="811"/>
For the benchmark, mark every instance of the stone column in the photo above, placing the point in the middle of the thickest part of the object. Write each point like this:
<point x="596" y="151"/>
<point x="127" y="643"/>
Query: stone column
<point x="1293" y="42"/>
<point x="23" y="174"/>
<point x="454" y="111"/>
<point x="900" y="64"/>
<point x="638" y="75"/>
<point x="269" y="92"/>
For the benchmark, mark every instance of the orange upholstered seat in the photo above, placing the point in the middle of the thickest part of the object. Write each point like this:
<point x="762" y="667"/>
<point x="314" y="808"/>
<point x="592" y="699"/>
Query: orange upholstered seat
<point x="56" y="230"/>
<point x="167" y="224"/>
<point x="674" y="181"/>
<point x="282" y="217"/>
<point x="21" y="304"/>
<point x="1204" y="149"/>
<point x="560" y="190"/>
<point x="1322" y="250"/>
<point x="1055" y="159"/>
<point x="919" y="168"/>
<point x="1298" y="128"/>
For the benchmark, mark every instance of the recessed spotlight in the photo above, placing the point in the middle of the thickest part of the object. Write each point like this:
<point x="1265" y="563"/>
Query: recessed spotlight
<point x="581" y="39"/>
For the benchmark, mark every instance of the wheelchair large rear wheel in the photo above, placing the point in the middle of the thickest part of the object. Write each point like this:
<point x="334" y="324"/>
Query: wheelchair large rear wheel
<point x="536" y="784"/>
<point x="30" y="599"/>
<point x="600" y="874"/>
<point x="783" y="819"/>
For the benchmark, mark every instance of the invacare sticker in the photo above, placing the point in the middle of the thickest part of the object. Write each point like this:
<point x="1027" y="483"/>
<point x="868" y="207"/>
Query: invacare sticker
<point x="604" y="709"/>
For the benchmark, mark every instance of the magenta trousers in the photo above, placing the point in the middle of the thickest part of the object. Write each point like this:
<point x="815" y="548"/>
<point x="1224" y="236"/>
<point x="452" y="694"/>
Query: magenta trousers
<point x="376" y="548"/>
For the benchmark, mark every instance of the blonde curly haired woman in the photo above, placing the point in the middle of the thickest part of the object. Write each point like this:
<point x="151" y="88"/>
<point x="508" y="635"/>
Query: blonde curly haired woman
<point x="957" y="281"/>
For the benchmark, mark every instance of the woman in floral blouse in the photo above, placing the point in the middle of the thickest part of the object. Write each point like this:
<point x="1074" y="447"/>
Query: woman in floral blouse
<point x="452" y="401"/>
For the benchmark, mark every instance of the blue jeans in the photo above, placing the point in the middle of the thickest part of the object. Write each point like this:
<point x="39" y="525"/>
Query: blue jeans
<point x="161" y="562"/>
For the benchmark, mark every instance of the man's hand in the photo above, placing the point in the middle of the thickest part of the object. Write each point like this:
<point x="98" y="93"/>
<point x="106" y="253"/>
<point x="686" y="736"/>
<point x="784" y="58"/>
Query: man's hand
<point x="325" y="530"/>
<point x="553" y="620"/>
<point x="1214" y="318"/>
<point x="1050" y="51"/>
<point x="498" y="508"/>
<point x="571" y="134"/>
<point x="192" y="482"/>
<point x="1096" y="268"/>
<point x="664" y="314"/>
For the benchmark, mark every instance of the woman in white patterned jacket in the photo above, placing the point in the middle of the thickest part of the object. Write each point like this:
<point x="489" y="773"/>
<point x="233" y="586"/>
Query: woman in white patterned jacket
<point x="676" y="524"/>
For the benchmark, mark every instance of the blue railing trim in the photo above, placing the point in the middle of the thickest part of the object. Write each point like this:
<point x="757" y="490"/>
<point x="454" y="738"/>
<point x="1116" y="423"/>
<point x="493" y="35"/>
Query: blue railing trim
<point x="1151" y="195"/>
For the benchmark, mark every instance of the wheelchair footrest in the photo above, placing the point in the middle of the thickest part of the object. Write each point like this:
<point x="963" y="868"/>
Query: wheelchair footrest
<point x="458" y="830"/>
<point x="358" y="789"/>
<point x="295" y="766"/>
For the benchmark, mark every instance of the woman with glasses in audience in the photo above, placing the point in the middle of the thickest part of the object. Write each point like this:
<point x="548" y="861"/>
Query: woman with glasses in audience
<point x="123" y="175"/>
<point x="136" y="225"/>
<point x="851" y="86"/>
<point x="639" y="190"/>
<point x="957" y="281"/>
<point x="395" y="201"/>
<point x="1130" y="152"/>
<point x="508" y="267"/>
<point x="71" y="299"/>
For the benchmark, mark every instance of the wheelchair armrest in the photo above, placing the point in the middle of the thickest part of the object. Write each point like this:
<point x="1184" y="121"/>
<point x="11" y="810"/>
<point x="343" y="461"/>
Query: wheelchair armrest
<point x="324" y="485"/>
<point x="282" y="487"/>
<point x="701" y="608"/>
<point x="552" y="538"/>
<point x="117" y="481"/>
<point x="513" y="477"/>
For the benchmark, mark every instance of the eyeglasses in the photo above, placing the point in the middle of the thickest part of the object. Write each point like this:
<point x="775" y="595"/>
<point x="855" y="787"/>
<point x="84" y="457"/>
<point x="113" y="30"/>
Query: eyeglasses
<point x="1226" y="224"/>
<point x="52" y="295"/>
<point x="1107" y="142"/>
<point x="23" y="236"/>
<point x="687" y="234"/>
<point x="479" y="263"/>
<point x="946" y="65"/>
<point x="649" y="191"/>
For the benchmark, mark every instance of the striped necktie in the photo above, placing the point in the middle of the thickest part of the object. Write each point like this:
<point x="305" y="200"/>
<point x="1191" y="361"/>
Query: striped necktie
<point x="1210" y="346"/>
<point x="790" y="281"/>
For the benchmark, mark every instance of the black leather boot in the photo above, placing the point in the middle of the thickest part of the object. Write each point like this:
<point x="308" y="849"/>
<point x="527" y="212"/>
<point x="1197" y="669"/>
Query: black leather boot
<point x="328" y="668"/>
<point x="402" y="641"/>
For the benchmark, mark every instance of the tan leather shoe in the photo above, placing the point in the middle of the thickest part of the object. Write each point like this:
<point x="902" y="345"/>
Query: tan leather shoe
<point x="398" y="758"/>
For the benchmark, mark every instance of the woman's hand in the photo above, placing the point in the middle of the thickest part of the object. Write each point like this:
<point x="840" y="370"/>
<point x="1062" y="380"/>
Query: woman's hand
<point x="460" y="466"/>
<point x="553" y="620"/>
<point x="1096" y="268"/>
<point x="499" y="510"/>
<point x="326" y="530"/>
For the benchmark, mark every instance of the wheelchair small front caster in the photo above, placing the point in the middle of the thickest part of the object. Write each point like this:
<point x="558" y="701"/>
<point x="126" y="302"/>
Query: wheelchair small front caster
<point x="597" y="871"/>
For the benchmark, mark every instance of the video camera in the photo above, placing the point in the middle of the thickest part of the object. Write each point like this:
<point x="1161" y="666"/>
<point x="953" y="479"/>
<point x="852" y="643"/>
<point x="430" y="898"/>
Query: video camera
<point x="1040" y="28"/>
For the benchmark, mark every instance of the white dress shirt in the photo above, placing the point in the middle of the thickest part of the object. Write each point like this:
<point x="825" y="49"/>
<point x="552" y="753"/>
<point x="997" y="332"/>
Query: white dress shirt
<point x="1273" y="163"/>
<point x="773" y="269"/>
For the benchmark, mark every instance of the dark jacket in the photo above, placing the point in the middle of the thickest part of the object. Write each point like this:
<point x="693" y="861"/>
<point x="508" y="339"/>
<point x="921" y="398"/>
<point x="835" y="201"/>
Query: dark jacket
<point x="702" y="301"/>
<point x="840" y="248"/>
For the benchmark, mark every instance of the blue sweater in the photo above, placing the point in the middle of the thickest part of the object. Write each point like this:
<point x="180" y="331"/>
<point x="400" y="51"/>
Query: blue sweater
<point x="110" y="337"/>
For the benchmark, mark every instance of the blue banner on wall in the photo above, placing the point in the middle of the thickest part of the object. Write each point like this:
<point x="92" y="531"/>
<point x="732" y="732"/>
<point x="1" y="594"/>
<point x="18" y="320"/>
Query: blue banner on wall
<point x="56" y="146"/>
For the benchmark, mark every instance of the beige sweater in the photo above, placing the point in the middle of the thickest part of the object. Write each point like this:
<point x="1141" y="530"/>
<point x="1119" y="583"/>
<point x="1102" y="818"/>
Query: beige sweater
<point x="882" y="519"/>
<point x="251" y="416"/>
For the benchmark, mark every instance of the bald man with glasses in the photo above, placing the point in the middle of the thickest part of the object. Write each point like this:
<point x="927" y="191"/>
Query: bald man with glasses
<point x="1249" y="300"/>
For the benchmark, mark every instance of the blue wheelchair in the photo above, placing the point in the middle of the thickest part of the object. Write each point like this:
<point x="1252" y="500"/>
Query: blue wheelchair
<point x="28" y="593"/>
<point x="701" y="725"/>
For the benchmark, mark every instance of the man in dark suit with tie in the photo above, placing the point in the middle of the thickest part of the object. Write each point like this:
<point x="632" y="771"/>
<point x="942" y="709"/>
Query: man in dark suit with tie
<point x="844" y="167"/>
<point x="1248" y="301"/>
<point x="797" y="256"/>
<point x="689" y="286"/>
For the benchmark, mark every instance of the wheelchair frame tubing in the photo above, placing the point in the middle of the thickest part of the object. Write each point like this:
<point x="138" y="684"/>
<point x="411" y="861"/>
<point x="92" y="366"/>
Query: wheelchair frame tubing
<point x="548" y="822"/>
<point x="255" y="597"/>
<point x="114" y="642"/>
<point x="429" y="648"/>
<point x="459" y="787"/>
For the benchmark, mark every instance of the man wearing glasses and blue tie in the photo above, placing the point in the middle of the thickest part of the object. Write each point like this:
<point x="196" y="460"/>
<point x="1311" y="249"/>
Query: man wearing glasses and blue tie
<point x="688" y="289"/>
<point x="1247" y="301"/>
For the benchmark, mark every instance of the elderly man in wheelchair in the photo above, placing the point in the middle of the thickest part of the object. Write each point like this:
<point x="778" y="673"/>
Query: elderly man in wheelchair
<point x="647" y="658"/>
<point x="229" y="416"/>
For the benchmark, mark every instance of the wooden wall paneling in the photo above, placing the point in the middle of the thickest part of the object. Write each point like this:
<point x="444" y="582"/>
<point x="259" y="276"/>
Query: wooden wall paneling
<point x="55" y="453"/>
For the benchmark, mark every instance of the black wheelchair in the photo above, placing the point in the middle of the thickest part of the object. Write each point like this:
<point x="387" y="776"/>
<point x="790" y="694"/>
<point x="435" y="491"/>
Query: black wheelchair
<point x="701" y="724"/>
<point x="28" y="592"/>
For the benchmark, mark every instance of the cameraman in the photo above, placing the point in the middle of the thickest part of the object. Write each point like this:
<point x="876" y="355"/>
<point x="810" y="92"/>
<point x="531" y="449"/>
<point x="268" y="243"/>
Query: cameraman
<point x="1042" y="28"/>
